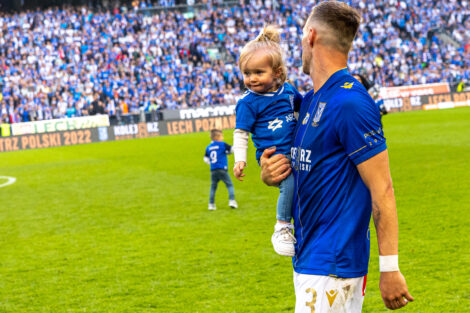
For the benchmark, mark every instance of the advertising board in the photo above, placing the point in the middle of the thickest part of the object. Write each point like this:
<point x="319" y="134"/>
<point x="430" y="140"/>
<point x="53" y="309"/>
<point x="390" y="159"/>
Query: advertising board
<point x="413" y="90"/>
<point x="194" y="113"/>
<point x="428" y="102"/>
<point x="56" y="125"/>
<point x="111" y="133"/>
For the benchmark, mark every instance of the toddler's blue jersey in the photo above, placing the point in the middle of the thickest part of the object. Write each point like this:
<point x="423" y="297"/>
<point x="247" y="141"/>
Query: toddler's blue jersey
<point x="217" y="153"/>
<point x="339" y="127"/>
<point x="269" y="117"/>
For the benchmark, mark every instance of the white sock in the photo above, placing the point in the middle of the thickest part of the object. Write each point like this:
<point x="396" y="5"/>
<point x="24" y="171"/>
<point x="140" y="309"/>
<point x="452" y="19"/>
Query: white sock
<point x="280" y="226"/>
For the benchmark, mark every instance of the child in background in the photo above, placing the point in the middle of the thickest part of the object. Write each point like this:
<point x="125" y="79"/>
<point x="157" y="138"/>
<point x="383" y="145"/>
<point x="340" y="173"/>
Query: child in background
<point x="266" y="110"/>
<point x="216" y="157"/>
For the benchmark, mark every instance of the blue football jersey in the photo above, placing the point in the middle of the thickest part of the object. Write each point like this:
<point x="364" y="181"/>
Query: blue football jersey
<point x="217" y="153"/>
<point x="269" y="117"/>
<point x="339" y="127"/>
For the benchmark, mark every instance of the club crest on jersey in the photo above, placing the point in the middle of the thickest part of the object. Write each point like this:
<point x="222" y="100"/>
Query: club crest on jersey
<point x="275" y="124"/>
<point x="316" y="119"/>
<point x="306" y="119"/>
<point x="347" y="85"/>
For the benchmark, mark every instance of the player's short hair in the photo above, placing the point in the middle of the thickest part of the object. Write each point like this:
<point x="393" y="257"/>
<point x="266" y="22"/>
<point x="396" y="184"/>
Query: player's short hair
<point x="215" y="133"/>
<point x="339" y="21"/>
<point x="268" y="41"/>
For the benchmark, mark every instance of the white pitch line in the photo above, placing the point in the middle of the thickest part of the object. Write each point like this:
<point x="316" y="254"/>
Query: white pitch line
<point x="10" y="180"/>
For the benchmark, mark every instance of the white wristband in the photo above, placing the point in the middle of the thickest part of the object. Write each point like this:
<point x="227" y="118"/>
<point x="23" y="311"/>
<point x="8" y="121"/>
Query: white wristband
<point x="388" y="263"/>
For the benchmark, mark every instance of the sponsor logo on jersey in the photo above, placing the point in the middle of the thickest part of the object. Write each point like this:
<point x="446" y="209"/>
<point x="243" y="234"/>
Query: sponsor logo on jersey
<point x="290" y="117"/>
<point x="303" y="155"/>
<point x="347" y="85"/>
<point x="316" y="119"/>
<point x="275" y="124"/>
<point x="331" y="295"/>
<point x="306" y="119"/>
<point x="301" y="159"/>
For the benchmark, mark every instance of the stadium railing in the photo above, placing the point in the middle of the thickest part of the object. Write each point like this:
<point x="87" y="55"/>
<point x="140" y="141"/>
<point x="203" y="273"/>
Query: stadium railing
<point x="185" y="7"/>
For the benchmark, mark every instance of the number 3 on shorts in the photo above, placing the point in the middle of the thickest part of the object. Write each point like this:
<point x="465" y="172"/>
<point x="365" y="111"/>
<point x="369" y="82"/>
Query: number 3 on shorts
<point x="311" y="304"/>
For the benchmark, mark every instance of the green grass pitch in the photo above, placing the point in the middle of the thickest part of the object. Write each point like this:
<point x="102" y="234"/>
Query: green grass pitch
<point x="124" y="226"/>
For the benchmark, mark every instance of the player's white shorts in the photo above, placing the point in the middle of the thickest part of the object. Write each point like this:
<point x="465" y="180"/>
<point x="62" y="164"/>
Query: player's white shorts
<point x="325" y="294"/>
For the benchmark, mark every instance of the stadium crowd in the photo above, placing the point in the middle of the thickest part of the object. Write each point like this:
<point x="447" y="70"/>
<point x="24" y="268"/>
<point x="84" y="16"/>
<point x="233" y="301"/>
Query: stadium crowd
<point x="71" y="61"/>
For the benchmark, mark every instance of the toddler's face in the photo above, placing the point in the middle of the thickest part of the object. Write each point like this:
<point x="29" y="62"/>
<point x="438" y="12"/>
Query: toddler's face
<point x="258" y="74"/>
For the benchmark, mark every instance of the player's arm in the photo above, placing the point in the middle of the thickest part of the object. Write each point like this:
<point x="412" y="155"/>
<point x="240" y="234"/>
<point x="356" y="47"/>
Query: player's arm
<point x="274" y="169"/>
<point x="240" y="147"/>
<point x="375" y="173"/>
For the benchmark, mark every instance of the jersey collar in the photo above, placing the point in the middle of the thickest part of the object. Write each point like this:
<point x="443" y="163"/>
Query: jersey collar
<point x="269" y="94"/>
<point x="333" y="79"/>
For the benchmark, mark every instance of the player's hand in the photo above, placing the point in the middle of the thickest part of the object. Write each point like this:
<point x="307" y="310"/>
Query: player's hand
<point x="394" y="290"/>
<point x="274" y="169"/>
<point x="238" y="170"/>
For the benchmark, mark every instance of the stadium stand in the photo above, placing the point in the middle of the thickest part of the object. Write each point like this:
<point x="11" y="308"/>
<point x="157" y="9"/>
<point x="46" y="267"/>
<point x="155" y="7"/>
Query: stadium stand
<point x="75" y="61"/>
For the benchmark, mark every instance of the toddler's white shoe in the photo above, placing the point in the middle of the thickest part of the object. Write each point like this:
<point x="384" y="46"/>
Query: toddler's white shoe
<point x="233" y="204"/>
<point x="212" y="207"/>
<point x="283" y="239"/>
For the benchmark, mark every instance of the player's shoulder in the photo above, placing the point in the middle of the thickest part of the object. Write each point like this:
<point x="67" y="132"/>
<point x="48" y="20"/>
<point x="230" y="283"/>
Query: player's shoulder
<point x="246" y="97"/>
<point x="215" y="145"/>
<point x="351" y="93"/>
<point x="291" y="87"/>
<point x="288" y="87"/>
<point x="350" y="85"/>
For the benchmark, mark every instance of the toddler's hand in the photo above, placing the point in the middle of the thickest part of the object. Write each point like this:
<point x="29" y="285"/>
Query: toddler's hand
<point x="238" y="170"/>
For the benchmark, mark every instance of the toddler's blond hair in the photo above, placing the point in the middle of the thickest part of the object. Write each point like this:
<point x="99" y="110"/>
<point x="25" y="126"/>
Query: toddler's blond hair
<point x="268" y="40"/>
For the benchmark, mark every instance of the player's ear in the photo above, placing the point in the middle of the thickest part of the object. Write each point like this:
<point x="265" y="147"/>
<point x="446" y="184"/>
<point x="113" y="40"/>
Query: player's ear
<point x="312" y="36"/>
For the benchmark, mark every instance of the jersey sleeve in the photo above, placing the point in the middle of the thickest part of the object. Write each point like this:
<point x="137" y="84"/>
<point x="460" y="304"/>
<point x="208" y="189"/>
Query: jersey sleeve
<point x="245" y="115"/>
<point x="207" y="153"/>
<point x="359" y="128"/>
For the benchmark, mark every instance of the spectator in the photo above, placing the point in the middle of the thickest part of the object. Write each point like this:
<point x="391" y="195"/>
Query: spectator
<point x="60" y="56"/>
